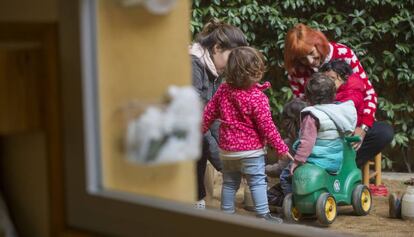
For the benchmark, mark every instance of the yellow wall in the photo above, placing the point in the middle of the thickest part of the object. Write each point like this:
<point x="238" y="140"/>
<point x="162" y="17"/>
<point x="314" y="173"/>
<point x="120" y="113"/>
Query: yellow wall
<point x="140" y="55"/>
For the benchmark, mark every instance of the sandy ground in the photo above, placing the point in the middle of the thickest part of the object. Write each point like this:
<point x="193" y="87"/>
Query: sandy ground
<point x="377" y="223"/>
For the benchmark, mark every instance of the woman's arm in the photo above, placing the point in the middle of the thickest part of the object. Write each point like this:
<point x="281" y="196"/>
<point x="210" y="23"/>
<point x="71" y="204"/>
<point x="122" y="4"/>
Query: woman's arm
<point x="197" y="70"/>
<point x="297" y="85"/>
<point x="370" y="97"/>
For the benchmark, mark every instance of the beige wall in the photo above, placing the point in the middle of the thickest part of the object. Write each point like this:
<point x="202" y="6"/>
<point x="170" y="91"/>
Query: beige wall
<point x="140" y="55"/>
<point x="29" y="10"/>
<point x="23" y="175"/>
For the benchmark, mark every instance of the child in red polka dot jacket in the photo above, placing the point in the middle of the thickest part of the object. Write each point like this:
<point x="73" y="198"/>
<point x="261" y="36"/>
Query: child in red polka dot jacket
<point x="245" y="130"/>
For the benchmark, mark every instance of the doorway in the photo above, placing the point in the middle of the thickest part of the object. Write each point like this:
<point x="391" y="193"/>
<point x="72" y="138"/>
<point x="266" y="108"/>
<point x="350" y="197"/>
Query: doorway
<point x="30" y="140"/>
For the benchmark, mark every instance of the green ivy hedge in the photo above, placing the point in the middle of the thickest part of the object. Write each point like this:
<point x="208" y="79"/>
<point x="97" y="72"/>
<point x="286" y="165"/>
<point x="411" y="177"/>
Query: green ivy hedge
<point x="381" y="33"/>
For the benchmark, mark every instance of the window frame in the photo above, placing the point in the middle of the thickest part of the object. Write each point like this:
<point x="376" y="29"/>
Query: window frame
<point x="88" y="206"/>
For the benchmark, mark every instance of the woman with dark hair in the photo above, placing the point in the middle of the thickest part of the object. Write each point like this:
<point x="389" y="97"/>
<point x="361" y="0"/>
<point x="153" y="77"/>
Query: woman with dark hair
<point x="209" y="55"/>
<point x="306" y="50"/>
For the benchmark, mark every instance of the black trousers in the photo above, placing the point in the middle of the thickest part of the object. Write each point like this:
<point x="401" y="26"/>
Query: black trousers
<point x="210" y="152"/>
<point x="379" y="136"/>
<point x="201" y="170"/>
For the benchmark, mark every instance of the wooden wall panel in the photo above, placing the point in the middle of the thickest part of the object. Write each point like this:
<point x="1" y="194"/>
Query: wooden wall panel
<point x="20" y="84"/>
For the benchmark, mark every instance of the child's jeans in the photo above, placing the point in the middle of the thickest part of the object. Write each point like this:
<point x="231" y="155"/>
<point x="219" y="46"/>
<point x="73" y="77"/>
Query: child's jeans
<point x="286" y="180"/>
<point x="253" y="169"/>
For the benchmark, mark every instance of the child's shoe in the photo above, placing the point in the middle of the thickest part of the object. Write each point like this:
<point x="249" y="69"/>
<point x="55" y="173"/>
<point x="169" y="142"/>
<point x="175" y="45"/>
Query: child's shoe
<point x="394" y="202"/>
<point x="275" y="195"/>
<point x="270" y="217"/>
<point x="201" y="204"/>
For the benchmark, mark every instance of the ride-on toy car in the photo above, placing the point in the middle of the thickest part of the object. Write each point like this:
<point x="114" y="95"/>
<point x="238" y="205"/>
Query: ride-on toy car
<point x="315" y="191"/>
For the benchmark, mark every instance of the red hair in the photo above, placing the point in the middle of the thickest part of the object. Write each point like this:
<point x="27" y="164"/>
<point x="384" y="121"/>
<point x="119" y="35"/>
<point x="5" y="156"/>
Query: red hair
<point x="299" y="42"/>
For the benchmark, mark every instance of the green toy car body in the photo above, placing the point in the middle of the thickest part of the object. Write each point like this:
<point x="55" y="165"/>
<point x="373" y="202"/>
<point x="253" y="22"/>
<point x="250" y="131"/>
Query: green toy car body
<point x="315" y="191"/>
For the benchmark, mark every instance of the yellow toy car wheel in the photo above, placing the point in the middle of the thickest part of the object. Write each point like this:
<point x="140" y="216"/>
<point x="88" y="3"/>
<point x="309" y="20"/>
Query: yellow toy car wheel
<point x="361" y="200"/>
<point x="326" y="210"/>
<point x="290" y="212"/>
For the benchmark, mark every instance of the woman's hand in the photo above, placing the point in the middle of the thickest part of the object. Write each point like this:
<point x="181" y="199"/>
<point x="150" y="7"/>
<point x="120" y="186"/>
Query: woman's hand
<point x="361" y="133"/>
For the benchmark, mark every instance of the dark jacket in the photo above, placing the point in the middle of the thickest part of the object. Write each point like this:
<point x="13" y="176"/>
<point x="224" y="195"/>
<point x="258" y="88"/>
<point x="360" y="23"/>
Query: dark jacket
<point x="206" y="85"/>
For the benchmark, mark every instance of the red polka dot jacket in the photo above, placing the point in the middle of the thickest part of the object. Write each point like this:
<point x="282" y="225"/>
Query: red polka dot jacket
<point x="246" y="121"/>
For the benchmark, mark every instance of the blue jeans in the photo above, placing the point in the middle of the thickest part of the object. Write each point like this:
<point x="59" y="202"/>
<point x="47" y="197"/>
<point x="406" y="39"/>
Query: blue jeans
<point x="254" y="170"/>
<point x="286" y="180"/>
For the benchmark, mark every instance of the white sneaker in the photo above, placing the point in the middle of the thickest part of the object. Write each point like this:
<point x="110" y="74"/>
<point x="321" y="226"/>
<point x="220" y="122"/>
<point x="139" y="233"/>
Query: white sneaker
<point x="201" y="204"/>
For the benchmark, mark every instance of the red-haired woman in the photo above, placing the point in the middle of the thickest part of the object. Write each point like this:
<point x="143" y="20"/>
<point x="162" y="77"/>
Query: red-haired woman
<point x="306" y="50"/>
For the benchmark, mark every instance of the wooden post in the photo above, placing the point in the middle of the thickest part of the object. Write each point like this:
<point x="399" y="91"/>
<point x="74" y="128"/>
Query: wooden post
<point x="365" y="174"/>
<point x="378" y="169"/>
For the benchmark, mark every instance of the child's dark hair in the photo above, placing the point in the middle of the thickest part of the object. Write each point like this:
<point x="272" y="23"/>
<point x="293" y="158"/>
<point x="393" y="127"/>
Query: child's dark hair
<point x="222" y="34"/>
<point x="320" y="89"/>
<point x="291" y="117"/>
<point x="339" y="66"/>
<point x="245" y="67"/>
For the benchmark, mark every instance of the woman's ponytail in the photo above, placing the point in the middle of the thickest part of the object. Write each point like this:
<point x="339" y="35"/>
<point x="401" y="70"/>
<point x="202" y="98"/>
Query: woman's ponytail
<point x="219" y="33"/>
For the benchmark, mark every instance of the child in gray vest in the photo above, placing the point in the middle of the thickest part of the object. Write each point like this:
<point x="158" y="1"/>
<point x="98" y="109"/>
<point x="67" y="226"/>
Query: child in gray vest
<point x="323" y="125"/>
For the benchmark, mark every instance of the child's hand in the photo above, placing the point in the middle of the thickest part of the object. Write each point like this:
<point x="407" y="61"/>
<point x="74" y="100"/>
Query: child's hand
<point x="286" y="156"/>
<point x="293" y="167"/>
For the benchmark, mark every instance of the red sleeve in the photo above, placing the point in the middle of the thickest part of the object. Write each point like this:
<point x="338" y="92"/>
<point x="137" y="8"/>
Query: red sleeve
<point x="353" y="89"/>
<point x="308" y="134"/>
<point x="370" y="97"/>
<point x="211" y="110"/>
<point x="297" y="85"/>
<point x="265" y="126"/>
